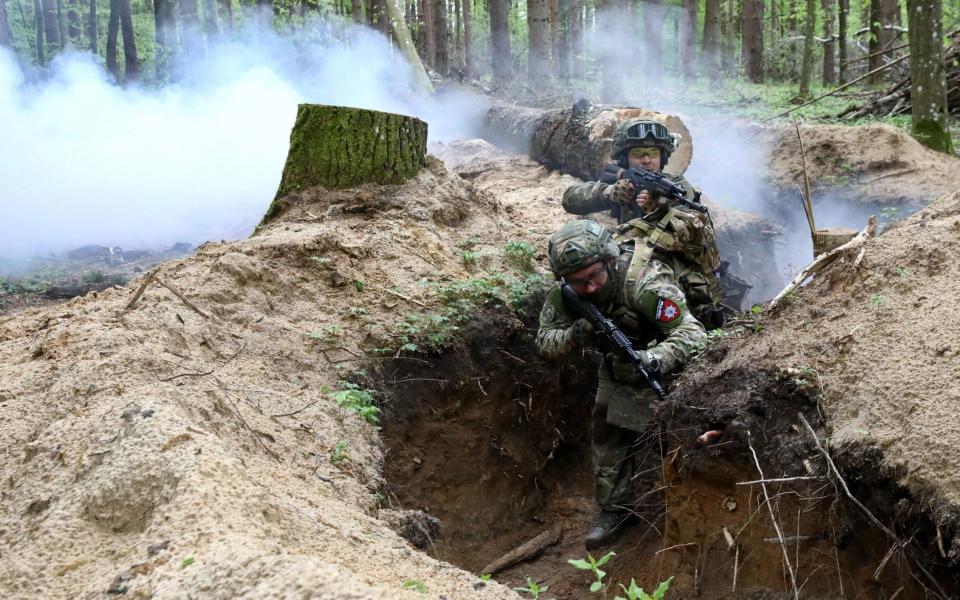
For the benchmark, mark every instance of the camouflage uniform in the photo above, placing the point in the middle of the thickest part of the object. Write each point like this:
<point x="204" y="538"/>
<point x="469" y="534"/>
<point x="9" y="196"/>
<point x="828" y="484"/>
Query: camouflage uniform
<point x="651" y="309"/>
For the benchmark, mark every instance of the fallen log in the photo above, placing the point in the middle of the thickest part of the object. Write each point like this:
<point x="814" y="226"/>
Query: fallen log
<point x="575" y="140"/>
<point x="530" y="549"/>
<point x="343" y="147"/>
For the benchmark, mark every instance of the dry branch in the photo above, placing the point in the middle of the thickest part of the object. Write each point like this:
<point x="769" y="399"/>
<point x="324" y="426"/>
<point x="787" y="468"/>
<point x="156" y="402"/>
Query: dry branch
<point x="182" y="298"/>
<point x="528" y="550"/>
<point x="825" y="259"/>
<point x="143" y="287"/>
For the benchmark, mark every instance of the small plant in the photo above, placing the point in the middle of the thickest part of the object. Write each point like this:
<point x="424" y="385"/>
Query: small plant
<point x="320" y="260"/>
<point x="417" y="586"/>
<point x="355" y="312"/>
<point x="902" y="272"/>
<point x="593" y="565"/>
<point x="339" y="452"/>
<point x="519" y="254"/>
<point x="878" y="300"/>
<point x="359" y="284"/>
<point x="93" y="277"/>
<point x="187" y="562"/>
<point x="470" y="258"/>
<point x="329" y="333"/>
<point x="486" y="576"/>
<point x="634" y="592"/>
<point x="354" y="399"/>
<point x="756" y="309"/>
<point x="533" y="588"/>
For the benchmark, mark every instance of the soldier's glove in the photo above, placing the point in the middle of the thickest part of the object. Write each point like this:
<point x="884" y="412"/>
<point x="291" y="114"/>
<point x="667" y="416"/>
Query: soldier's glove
<point x="580" y="334"/>
<point x="650" y="362"/>
<point x="622" y="192"/>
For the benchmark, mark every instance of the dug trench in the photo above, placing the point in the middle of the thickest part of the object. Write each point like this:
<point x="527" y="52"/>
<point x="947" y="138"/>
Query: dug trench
<point x="493" y="442"/>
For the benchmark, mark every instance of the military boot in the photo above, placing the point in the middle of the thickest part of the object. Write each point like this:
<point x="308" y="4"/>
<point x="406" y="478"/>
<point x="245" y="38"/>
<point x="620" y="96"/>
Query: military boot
<point x="606" y="528"/>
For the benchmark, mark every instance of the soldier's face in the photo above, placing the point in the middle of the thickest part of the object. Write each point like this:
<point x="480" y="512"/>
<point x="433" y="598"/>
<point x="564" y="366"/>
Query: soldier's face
<point x="588" y="281"/>
<point x="644" y="158"/>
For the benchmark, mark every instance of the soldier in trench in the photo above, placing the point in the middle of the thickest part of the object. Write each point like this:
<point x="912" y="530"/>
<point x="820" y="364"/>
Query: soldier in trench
<point x="641" y="294"/>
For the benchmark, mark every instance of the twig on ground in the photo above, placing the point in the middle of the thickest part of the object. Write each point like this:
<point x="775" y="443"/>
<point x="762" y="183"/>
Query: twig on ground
<point x="178" y="376"/>
<point x="516" y="358"/>
<point x="773" y="519"/>
<point x="778" y="480"/>
<point x="299" y="410"/>
<point x="866" y="512"/>
<point x="143" y="286"/>
<point x="530" y="549"/>
<point x="676" y="547"/>
<point x="182" y="298"/>
<point x="407" y="298"/>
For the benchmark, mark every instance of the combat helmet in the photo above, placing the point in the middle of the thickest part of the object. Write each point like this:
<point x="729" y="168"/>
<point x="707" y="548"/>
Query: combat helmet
<point x="579" y="244"/>
<point x="634" y="133"/>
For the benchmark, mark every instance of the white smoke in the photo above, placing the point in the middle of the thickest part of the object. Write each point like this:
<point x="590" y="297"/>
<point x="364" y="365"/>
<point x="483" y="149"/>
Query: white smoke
<point x="83" y="161"/>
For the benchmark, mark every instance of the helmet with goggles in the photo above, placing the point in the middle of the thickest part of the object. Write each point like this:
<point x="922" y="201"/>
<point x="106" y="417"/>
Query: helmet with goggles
<point x="637" y="133"/>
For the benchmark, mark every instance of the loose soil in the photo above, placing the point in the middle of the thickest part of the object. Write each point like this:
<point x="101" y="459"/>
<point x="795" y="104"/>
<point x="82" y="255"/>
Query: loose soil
<point x="157" y="450"/>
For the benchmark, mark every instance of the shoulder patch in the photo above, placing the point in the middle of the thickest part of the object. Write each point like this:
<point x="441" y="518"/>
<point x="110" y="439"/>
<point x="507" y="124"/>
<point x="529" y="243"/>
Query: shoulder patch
<point x="667" y="310"/>
<point x="549" y="313"/>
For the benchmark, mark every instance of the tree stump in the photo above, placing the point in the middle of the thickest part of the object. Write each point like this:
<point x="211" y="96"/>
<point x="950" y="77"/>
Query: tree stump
<point x="342" y="147"/>
<point x="575" y="140"/>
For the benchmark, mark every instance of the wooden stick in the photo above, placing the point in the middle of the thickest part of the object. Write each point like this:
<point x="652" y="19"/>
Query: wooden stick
<point x="773" y="519"/>
<point x="826" y="258"/>
<point x="143" y="287"/>
<point x="530" y="549"/>
<point x="842" y="87"/>
<point x="866" y="512"/>
<point x="777" y="480"/>
<point x="807" y="196"/>
<point x="407" y="298"/>
<point x="183" y="298"/>
<point x="859" y="58"/>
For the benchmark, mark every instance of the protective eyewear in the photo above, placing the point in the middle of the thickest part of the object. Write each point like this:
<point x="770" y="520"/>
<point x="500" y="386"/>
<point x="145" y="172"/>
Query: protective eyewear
<point x="594" y="277"/>
<point x="643" y="130"/>
<point x="644" y="152"/>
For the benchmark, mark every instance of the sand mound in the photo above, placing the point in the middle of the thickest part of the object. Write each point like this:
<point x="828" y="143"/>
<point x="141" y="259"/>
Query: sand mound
<point x="875" y="348"/>
<point x="876" y="164"/>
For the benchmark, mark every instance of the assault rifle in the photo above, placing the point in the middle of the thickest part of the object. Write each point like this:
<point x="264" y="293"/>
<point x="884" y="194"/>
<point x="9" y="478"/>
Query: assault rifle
<point x="609" y="331"/>
<point x="653" y="182"/>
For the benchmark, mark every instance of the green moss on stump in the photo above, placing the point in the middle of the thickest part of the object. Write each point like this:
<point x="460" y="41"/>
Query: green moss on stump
<point x="932" y="134"/>
<point x="342" y="147"/>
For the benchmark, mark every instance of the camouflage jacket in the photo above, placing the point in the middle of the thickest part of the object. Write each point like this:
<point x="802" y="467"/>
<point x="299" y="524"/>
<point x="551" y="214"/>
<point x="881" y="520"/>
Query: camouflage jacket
<point x="651" y="310"/>
<point x="587" y="197"/>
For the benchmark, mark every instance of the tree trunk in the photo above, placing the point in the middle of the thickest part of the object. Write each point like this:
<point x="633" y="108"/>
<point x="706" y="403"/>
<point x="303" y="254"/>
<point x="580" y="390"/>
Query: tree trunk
<point x="113" y="28"/>
<point x="500" y="55"/>
<point x="806" y="69"/>
<point x="401" y="33"/>
<point x="6" y="37"/>
<point x="93" y="31"/>
<point x="51" y="30"/>
<point x="928" y="84"/>
<point x="612" y="23"/>
<point x="264" y="13"/>
<point x="131" y="68"/>
<point x="889" y="16"/>
<point x="442" y="37"/>
<point x="843" y="11"/>
<point x="554" y="34"/>
<point x="710" y="45"/>
<point x="538" y="24"/>
<point x="429" y="33"/>
<point x="876" y="59"/>
<point x="457" y="26"/>
<point x="73" y="21"/>
<point x="38" y="18"/>
<point x="339" y="147"/>
<point x="688" y="39"/>
<point x="356" y="10"/>
<point x="728" y="47"/>
<point x="574" y="140"/>
<point x="467" y="40"/>
<point x="61" y="25"/>
<point x="829" y="69"/>
<point x="188" y="16"/>
<point x="226" y="15"/>
<point x="751" y="31"/>
<point x="562" y="69"/>
<point x="576" y="38"/>
<point x="653" y="26"/>
<point x="210" y="25"/>
<point x="165" y="33"/>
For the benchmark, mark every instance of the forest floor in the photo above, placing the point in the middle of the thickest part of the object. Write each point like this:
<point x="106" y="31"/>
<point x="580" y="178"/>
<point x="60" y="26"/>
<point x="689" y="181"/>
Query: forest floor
<point x="289" y="413"/>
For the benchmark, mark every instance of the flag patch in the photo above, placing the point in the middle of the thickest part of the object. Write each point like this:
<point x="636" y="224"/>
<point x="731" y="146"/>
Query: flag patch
<point x="667" y="310"/>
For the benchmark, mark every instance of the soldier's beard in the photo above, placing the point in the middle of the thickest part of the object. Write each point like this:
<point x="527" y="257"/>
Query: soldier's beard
<point x="603" y="295"/>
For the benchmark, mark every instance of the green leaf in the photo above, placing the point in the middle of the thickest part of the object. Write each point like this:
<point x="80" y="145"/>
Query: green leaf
<point x="413" y="584"/>
<point x="606" y="558"/>
<point x="187" y="562"/>
<point x="580" y="564"/>
<point x="661" y="590"/>
<point x="595" y="586"/>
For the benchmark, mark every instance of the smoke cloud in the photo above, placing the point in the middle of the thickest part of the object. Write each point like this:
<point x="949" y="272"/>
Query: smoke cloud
<point x="84" y="161"/>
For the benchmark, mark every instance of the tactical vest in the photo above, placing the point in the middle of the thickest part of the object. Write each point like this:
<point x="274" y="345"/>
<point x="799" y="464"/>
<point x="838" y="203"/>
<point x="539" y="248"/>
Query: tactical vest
<point x="686" y="242"/>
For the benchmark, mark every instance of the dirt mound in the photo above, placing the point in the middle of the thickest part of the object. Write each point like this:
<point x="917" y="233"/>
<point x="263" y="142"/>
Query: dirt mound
<point x="867" y="348"/>
<point x="875" y="164"/>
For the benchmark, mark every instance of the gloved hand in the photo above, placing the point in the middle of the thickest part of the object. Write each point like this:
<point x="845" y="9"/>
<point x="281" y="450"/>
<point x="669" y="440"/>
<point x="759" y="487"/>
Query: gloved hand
<point x="622" y="192"/>
<point x="650" y="362"/>
<point x="580" y="334"/>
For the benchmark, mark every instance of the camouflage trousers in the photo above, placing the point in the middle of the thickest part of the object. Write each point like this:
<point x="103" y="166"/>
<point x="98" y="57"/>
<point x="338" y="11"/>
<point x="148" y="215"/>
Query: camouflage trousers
<point x="622" y="439"/>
